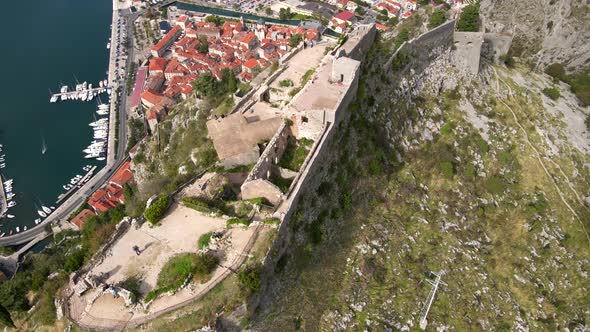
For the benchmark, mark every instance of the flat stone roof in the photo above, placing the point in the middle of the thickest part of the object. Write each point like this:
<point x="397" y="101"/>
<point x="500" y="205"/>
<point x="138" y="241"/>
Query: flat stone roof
<point x="322" y="92"/>
<point x="234" y="134"/>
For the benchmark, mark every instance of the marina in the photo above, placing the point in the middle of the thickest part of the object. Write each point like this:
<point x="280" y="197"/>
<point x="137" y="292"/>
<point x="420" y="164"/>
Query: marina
<point x="44" y="141"/>
<point x="82" y="91"/>
<point x="76" y="183"/>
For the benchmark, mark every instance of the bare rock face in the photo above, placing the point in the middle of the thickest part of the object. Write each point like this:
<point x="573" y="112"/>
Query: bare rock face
<point x="545" y="31"/>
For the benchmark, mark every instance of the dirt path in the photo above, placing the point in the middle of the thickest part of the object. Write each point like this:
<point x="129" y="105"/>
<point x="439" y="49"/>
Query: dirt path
<point x="538" y="155"/>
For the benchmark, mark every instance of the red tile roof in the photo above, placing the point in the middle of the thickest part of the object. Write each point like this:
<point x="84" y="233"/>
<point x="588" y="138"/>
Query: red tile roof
<point x="345" y="15"/>
<point x="123" y="175"/>
<point x="251" y="63"/>
<point x="172" y="34"/>
<point x="157" y="64"/>
<point x="81" y="218"/>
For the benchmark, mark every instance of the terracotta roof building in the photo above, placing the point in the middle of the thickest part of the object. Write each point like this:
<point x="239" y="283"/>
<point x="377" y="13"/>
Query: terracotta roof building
<point x="80" y="219"/>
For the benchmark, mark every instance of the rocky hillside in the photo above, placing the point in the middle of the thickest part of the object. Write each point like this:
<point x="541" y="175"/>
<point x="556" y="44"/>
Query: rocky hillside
<point x="482" y="180"/>
<point x="545" y="31"/>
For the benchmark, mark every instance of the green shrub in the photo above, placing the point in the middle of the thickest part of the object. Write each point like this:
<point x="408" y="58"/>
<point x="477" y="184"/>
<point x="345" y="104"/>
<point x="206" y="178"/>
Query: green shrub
<point x="176" y="270"/>
<point x="437" y="18"/>
<point x="557" y="71"/>
<point x="204" y="240"/>
<point x="470" y="171"/>
<point x="552" y="93"/>
<point x="204" y="264"/>
<point x="375" y="167"/>
<point x="495" y="185"/>
<point x="508" y="60"/>
<point x="132" y="284"/>
<point x="5" y="318"/>
<point x="271" y="221"/>
<point x="469" y="20"/>
<point x="74" y="261"/>
<point x="285" y="83"/>
<point x="157" y="210"/>
<point x="295" y="153"/>
<point x="237" y="221"/>
<point x="250" y="278"/>
<point x="482" y="145"/>
<point x="447" y="169"/>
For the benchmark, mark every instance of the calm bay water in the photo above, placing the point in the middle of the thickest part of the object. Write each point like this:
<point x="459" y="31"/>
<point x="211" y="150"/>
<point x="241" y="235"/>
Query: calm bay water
<point x="47" y="43"/>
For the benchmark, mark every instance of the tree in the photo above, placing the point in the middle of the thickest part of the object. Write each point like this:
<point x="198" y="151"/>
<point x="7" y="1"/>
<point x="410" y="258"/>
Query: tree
<point x="5" y="318"/>
<point x="157" y="209"/>
<point x="469" y="20"/>
<point x="206" y="85"/>
<point x="229" y="80"/>
<point x="392" y="21"/>
<point x="268" y="11"/>
<point x="437" y="18"/>
<point x="203" y="46"/>
<point x="285" y="14"/>
<point x="250" y="278"/>
<point x="74" y="261"/>
<point x="218" y="21"/>
<point x="295" y="40"/>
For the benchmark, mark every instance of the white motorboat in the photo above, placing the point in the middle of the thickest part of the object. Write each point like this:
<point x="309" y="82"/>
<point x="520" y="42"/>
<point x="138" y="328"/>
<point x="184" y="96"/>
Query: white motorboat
<point x="41" y="213"/>
<point x="9" y="216"/>
<point x="100" y="158"/>
<point x="53" y="99"/>
<point x="25" y="228"/>
<point x="37" y="221"/>
<point x="11" y="204"/>
<point x="52" y="207"/>
<point x="67" y="187"/>
<point x="46" y="209"/>
<point x="2" y="235"/>
<point x="18" y="229"/>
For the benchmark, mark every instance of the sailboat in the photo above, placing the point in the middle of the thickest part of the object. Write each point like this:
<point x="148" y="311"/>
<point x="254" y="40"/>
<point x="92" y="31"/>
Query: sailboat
<point x="41" y="213"/>
<point x="43" y="146"/>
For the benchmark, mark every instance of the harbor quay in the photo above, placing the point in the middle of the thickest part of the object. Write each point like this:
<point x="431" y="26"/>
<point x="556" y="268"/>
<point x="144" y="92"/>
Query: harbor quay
<point x="76" y="198"/>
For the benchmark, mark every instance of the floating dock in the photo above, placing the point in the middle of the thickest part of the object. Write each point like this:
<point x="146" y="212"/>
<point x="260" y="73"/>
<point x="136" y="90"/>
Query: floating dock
<point x="3" y="201"/>
<point x="77" y="95"/>
<point x="77" y="186"/>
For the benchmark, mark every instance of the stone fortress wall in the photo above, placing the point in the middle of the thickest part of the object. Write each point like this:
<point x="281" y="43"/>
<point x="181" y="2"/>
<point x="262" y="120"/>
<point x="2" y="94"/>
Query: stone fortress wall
<point x="345" y="71"/>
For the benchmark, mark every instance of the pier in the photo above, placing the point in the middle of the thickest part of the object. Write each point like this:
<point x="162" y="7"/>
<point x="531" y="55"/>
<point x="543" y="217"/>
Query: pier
<point x="3" y="200"/>
<point x="75" y="95"/>
<point x="77" y="186"/>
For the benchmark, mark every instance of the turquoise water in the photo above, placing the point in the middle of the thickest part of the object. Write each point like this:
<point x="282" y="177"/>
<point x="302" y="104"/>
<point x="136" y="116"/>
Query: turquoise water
<point x="45" y="43"/>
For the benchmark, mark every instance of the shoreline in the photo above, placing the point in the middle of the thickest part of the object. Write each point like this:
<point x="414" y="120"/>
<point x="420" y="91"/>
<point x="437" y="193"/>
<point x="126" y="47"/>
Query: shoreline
<point x="63" y="211"/>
